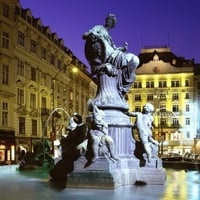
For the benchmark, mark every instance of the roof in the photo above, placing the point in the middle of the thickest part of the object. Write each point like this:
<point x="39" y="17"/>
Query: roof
<point x="163" y="54"/>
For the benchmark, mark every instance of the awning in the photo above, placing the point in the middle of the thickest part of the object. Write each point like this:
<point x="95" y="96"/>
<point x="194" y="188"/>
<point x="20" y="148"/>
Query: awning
<point x="7" y="136"/>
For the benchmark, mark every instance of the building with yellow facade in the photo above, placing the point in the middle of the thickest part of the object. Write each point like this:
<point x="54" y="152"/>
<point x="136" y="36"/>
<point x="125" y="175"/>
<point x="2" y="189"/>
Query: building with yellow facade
<point x="37" y="75"/>
<point x="168" y="82"/>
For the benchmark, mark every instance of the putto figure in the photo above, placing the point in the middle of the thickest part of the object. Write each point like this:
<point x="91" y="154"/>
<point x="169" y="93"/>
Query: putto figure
<point x="143" y="125"/>
<point x="99" y="142"/>
<point x="105" y="57"/>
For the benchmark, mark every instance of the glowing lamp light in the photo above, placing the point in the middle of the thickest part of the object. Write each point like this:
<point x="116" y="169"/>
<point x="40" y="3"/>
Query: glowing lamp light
<point x="74" y="69"/>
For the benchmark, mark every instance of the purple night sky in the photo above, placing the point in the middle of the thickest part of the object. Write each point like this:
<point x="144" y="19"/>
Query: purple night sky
<point x="139" y="22"/>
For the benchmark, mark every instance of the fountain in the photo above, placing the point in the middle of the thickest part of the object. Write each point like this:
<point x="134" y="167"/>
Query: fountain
<point x="40" y="157"/>
<point x="114" y="69"/>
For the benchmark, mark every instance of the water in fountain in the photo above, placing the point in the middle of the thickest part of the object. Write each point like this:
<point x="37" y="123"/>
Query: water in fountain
<point x="45" y="126"/>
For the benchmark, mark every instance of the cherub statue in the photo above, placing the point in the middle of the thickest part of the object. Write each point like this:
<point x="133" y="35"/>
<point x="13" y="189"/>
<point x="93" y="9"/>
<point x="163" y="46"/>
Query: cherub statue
<point x="98" y="136"/>
<point x="143" y="125"/>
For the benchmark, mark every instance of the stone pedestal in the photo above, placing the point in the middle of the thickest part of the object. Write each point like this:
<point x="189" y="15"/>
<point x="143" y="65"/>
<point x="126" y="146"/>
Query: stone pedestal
<point x="105" y="174"/>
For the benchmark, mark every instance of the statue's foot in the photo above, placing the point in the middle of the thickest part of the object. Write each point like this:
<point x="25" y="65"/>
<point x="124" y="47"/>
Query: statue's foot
<point x="88" y="163"/>
<point x="114" y="158"/>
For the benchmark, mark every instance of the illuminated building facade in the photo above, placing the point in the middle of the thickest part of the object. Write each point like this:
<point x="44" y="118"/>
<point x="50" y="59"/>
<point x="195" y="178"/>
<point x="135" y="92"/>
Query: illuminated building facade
<point x="36" y="76"/>
<point x="168" y="82"/>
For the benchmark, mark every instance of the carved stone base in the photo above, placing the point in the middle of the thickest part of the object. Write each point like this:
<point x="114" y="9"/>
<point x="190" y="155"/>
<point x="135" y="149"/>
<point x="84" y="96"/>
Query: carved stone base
<point x="104" y="174"/>
<point x="151" y="176"/>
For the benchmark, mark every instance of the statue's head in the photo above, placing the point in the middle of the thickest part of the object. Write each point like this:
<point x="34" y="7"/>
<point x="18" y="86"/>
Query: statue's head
<point x="77" y="118"/>
<point x="74" y="121"/>
<point x="111" y="20"/>
<point x="148" y="108"/>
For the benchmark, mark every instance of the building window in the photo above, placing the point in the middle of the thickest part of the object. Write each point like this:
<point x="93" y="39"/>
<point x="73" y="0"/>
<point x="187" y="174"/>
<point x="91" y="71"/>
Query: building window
<point x="175" y="108"/>
<point x="4" y="114"/>
<point x="175" y="83"/>
<point x="163" y="121"/>
<point x="175" y="96"/>
<point x="175" y="122"/>
<point x="43" y="53"/>
<point x="162" y="96"/>
<point x="44" y="106"/>
<point x="187" y="95"/>
<point x="5" y="10"/>
<point x="187" y="108"/>
<point x="163" y="108"/>
<point x="39" y="28"/>
<point x="20" y="68"/>
<point x="32" y="101"/>
<point x="137" y="97"/>
<point x="5" y="73"/>
<point x="21" y="125"/>
<point x="138" y="109"/>
<point x="29" y="20"/>
<point x="137" y="84"/>
<point x="20" y="97"/>
<point x="149" y="84"/>
<point x="34" y="127"/>
<point x="21" y="38"/>
<point x="188" y="134"/>
<point x="5" y="40"/>
<point x="52" y="59"/>
<point x="33" y="46"/>
<point x="187" y="83"/>
<point x="59" y="64"/>
<point x="149" y="97"/>
<point x="187" y="121"/>
<point x="162" y="84"/>
<point x="33" y="74"/>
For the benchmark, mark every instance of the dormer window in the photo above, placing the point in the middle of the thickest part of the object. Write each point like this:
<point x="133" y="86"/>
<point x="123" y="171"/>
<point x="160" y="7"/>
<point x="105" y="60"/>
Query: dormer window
<point x="156" y="58"/>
